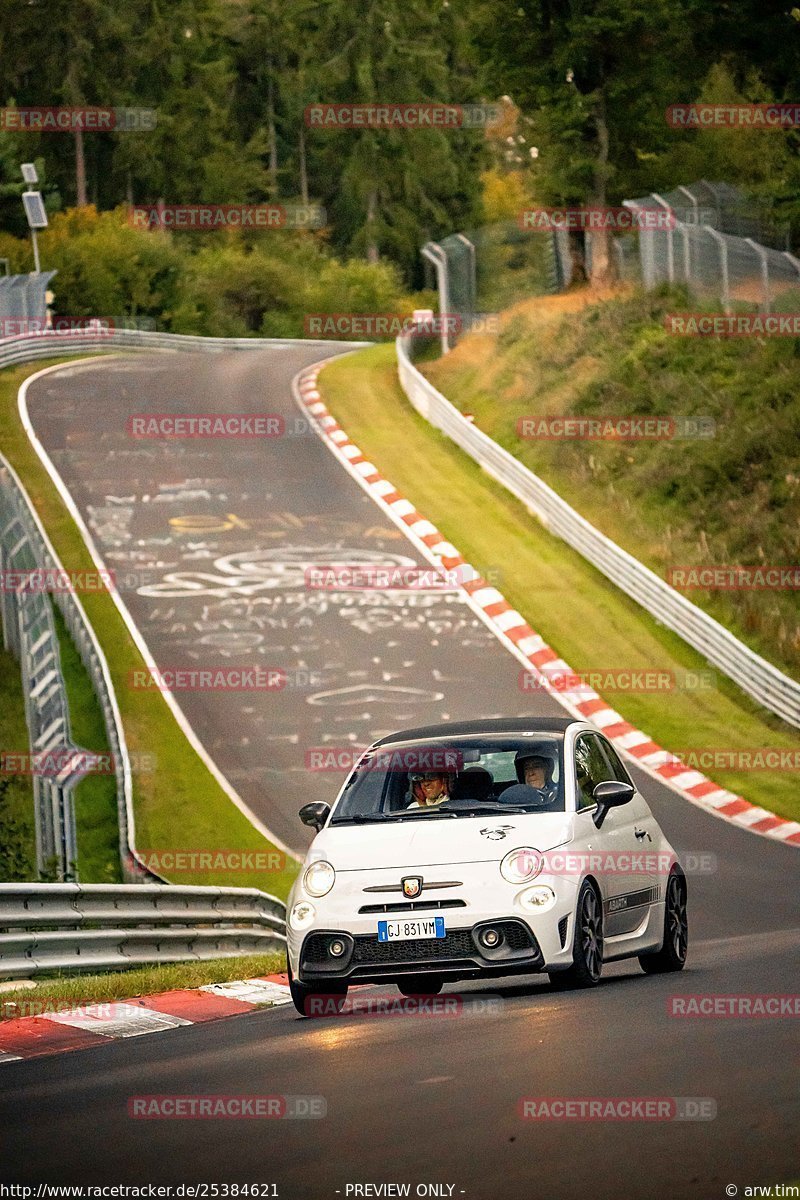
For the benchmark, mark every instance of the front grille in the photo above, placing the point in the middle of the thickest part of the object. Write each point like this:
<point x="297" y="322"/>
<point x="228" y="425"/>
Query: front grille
<point x="562" y="931"/>
<point x="412" y="906"/>
<point x="315" y="949"/>
<point x="516" y="936"/>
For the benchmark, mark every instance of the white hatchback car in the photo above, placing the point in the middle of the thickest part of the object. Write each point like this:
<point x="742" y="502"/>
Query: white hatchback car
<point x="478" y="850"/>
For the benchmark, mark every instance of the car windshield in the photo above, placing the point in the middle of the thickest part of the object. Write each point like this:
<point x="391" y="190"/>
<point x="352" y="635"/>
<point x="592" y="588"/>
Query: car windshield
<point x="443" y="778"/>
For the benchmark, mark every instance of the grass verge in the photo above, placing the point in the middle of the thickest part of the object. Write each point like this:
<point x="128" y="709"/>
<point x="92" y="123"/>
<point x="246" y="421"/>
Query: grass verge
<point x="731" y="496"/>
<point x="95" y="797"/>
<point x="17" y="822"/>
<point x="579" y="612"/>
<point x="179" y="805"/>
<point x="141" y="981"/>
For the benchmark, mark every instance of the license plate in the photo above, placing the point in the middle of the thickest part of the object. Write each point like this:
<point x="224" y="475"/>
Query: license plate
<point x="404" y="931"/>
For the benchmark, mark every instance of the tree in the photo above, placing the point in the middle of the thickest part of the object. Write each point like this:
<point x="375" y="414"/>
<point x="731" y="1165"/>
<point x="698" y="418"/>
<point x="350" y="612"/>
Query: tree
<point x="389" y="190"/>
<point x="597" y="106"/>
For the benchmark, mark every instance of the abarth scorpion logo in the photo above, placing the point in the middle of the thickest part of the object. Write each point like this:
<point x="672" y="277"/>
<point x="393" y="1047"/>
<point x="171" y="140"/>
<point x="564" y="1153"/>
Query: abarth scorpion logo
<point x="497" y="833"/>
<point x="412" y="886"/>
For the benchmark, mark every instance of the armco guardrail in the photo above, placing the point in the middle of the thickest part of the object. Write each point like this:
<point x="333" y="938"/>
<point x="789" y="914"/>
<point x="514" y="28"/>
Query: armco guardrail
<point x="754" y="675"/>
<point x="95" y="927"/>
<point x="48" y="344"/>
<point x="28" y="630"/>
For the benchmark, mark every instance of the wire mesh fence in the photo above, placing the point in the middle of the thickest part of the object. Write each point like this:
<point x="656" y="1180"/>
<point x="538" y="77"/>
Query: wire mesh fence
<point x="710" y="238"/>
<point x="719" y="247"/>
<point x="493" y="267"/>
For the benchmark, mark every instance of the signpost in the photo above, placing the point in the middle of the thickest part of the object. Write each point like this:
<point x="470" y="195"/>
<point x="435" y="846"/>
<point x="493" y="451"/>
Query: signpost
<point x="34" y="209"/>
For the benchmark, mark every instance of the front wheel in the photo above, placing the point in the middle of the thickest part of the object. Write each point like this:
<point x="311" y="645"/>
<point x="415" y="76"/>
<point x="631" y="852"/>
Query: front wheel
<point x="313" y="1000"/>
<point x="674" y="948"/>
<point x="420" y="985"/>
<point x="587" y="944"/>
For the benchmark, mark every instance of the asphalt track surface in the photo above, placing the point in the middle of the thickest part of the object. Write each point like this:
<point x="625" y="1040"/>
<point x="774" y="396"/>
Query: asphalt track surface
<point x="418" y="1100"/>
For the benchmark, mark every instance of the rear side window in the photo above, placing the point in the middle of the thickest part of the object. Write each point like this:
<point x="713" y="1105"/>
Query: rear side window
<point x="591" y="768"/>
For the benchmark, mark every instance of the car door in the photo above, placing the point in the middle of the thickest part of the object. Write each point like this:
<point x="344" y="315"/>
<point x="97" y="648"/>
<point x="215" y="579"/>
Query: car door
<point x="634" y="832"/>
<point x="613" y="851"/>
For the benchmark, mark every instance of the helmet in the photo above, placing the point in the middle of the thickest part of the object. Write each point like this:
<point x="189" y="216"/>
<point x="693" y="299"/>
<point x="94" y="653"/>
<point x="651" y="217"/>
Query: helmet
<point x="523" y="756"/>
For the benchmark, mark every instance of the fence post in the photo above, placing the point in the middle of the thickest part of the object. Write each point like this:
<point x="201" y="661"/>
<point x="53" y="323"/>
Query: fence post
<point x="723" y="260"/>
<point x="436" y="255"/>
<point x="762" y="257"/>
<point x="472" y="298"/>
<point x="670" y="245"/>
<point x="792" y="259"/>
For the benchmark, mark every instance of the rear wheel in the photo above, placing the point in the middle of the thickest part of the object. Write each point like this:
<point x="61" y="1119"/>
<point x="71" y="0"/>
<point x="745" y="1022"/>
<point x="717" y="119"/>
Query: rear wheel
<point x="587" y="944"/>
<point x="672" y="955"/>
<point x="314" y="1000"/>
<point x="420" y="985"/>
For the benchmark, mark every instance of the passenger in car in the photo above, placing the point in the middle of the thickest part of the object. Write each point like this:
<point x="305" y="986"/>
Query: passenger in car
<point x="536" y="770"/>
<point x="430" y="788"/>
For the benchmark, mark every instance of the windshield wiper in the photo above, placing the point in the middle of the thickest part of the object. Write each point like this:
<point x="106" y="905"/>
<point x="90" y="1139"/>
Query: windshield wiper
<point x="477" y="808"/>
<point x="362" y="818"/>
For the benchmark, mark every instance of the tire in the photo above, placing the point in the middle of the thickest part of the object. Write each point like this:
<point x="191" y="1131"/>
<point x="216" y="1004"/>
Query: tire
<point x="674" y="948"/>
<point x="587" y="944"/>
<point x="420" y="985"/>
<point x="303" y="995"/>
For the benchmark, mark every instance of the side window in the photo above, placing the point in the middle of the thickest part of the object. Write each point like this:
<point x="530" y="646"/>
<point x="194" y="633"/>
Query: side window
<point x="591" y="768"/>
<point x="616" y="762"/>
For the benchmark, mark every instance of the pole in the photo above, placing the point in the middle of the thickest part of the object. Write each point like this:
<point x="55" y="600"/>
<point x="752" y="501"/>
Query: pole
<point x="35" y="251"/>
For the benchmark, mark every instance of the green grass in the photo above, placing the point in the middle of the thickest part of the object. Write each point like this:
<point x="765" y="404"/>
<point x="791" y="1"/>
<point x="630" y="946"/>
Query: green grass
<point x="17" y="824"/>
<point x="95" y="797"/>
<point x="141" y="981"/>
<point x="179" y="805"/>
<point x="730" y="499"/>
<point x="580" y="613"/>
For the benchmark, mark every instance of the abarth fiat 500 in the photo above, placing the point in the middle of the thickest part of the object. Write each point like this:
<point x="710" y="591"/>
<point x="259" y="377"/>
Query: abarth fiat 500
<point x="480" y="850"/>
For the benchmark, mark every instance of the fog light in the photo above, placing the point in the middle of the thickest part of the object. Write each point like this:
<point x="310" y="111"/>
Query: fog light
<point x="302" y="915"/>
<point x="336" y="948"/>
<point x="537" y="898"/>
<point x="490" y="938"/>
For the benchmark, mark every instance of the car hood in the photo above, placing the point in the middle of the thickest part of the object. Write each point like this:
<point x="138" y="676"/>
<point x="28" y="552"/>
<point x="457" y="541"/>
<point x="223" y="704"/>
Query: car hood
<point x="438" y="841"/>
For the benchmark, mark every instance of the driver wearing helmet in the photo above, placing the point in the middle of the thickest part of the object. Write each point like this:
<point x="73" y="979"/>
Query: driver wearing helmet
<point x="536" y="771"/>
<point x="429" y="788"/>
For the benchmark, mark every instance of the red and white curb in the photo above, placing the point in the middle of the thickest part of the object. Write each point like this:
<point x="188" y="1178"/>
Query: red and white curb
<point x="517" y="636"/>
<point x="96" y="1024"/>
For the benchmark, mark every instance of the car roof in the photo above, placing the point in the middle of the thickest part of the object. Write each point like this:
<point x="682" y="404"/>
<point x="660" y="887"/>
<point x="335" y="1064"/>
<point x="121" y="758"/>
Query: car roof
<point x="509" y="725"/>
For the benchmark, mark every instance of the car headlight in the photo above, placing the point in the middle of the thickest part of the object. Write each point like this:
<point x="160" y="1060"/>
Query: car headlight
<point x="319" y="878"/>
<point x="302" y="915"/>
<point x="521" y="865"/>
<point x="538" y="898"/>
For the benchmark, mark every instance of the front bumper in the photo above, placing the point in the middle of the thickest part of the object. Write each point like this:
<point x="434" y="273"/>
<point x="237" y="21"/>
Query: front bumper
<point x="458" y="955"/>
<point x="352" y="909"/>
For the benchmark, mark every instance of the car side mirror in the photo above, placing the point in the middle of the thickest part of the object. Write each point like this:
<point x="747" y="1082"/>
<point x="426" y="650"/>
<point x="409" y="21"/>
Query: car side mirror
<point x="315" y="814"/>
<point x="611" y="793"/>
